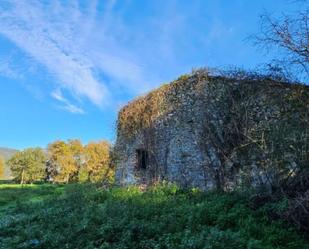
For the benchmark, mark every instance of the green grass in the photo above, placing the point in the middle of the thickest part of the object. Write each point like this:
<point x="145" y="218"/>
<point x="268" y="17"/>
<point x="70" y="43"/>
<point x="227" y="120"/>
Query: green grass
<point x="12" y="195"/>
<point x="86" y="216"/>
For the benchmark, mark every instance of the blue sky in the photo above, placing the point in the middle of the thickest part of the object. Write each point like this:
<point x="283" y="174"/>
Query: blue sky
<point x="66" y="67"/>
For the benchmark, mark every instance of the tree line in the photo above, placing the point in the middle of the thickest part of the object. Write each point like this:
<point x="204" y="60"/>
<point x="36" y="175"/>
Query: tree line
<point x="64" y="162"/>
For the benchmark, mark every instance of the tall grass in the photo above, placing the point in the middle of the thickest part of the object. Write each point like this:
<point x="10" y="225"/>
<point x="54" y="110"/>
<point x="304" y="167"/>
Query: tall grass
<point x="87" y="216"/>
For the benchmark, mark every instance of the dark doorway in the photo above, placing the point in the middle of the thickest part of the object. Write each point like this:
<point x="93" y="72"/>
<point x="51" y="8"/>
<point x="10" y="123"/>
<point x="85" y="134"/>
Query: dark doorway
<point x="142" y="159"/>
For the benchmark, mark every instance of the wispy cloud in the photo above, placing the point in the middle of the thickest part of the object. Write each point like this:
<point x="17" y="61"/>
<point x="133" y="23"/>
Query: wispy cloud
<point x="26" y="24"/>
<point x="8" y="70"/>
<point x="93" y="51"/>
<point x="58" y="37"/>
<point x="57" y="94"/>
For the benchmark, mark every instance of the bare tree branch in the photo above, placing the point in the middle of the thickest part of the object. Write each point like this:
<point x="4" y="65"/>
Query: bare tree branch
<point x="289" y="35"/>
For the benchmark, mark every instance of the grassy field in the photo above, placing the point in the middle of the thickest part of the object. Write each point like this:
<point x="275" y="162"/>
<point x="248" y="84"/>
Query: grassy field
<point x="87" y="216"/>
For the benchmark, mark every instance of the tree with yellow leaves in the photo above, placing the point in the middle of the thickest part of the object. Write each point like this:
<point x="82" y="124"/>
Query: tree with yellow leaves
<point x="1" y="167"/>
<point x="97" y="164"/>
<point x="76" y="149"/>
<point x="61" y="164"/>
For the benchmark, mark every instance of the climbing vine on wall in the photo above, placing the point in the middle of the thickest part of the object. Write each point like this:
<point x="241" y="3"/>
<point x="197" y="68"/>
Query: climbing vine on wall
<point x="143" y="111"/>
<point x="261" y="122"/>
<point x="250" y="120"/>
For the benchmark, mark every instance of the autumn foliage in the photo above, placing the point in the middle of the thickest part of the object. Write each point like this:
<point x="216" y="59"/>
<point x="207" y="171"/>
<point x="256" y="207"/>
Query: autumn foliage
<point x="64" y="162"/>
<point x="1" y="167"/>
<point x="73" y="162"/>
<point x="97" y="161"/>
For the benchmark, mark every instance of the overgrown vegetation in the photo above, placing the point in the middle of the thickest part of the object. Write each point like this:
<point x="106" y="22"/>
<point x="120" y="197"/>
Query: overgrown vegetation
<point x="140" y="113"/>
<point x="143" y="111"/>
<point x="87" y="216"/>
<point x="250" y="116"/>
<point x="257" y="123"/>
<point x="274" y="139"/>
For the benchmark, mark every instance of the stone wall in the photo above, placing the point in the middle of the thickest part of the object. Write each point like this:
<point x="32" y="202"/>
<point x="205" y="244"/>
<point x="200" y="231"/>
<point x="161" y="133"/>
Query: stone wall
<point x="215" y="132"/>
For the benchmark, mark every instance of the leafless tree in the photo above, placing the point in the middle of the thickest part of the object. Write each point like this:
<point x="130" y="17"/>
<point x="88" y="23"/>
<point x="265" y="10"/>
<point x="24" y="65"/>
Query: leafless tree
<point x="289" y="34"/>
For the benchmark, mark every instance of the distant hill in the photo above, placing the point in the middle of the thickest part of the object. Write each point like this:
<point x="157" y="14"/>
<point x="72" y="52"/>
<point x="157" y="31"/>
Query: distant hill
<point x="7" y="153"/>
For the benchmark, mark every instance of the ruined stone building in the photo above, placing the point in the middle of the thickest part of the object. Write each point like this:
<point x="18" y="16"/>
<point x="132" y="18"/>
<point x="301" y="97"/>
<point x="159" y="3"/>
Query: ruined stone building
<point x="214" y="132"/>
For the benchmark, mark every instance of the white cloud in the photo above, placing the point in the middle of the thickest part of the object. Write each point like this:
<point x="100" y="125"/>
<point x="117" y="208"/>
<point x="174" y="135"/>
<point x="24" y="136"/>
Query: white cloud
<point x="57" y="94"/>
<point x="59" y="36"/>
<point x="92" y="49"/>
<point x="26" y="25"/>
<point x="8" y="70"/>
<point x="73" y="109"/>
